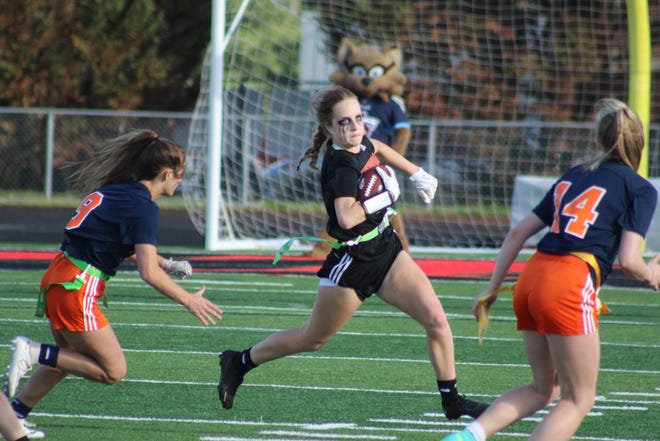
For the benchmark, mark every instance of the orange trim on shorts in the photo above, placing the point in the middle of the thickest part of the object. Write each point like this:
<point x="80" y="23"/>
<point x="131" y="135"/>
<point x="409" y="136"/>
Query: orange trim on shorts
<point x="556" y="294"/>
<point x="73" y="310"/>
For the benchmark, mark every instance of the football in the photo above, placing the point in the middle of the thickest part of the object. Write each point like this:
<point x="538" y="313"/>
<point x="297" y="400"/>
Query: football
<point x="370" y="183"/>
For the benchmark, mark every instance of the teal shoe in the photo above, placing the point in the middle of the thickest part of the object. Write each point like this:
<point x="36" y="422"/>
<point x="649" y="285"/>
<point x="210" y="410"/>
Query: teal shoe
<point x="463" y="435"/>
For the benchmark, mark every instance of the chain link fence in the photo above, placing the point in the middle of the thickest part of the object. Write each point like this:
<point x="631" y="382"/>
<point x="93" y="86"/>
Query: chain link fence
<point x="39" y="145"/>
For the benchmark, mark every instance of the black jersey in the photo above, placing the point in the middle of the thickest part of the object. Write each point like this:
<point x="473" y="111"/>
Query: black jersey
<point x="340" y="173"/>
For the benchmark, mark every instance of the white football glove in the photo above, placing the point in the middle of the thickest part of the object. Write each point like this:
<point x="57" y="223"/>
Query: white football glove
<point x="389" y="182"/>
<point x="177" y="268"/>
<point x="425" y="184"/>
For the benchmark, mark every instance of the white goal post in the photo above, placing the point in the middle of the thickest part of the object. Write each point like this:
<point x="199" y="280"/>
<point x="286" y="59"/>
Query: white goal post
<point x="495" y="89"/>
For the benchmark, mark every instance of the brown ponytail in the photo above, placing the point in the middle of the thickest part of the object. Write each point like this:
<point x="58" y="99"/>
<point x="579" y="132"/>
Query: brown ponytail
<point x="138" y="154"/>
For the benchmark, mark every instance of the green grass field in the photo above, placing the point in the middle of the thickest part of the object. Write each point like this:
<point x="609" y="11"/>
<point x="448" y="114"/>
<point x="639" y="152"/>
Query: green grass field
<point x="371" y="382"/>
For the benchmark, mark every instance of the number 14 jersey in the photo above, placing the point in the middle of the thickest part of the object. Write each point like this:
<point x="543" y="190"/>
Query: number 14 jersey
<point x="587" y="210"/>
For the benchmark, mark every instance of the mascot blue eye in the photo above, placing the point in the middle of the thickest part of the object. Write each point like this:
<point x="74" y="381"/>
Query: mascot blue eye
<point x="377" y="71"/>
<point x="358" y="69"/>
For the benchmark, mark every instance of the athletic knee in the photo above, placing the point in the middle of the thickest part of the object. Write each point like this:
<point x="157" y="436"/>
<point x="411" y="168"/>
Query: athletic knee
<point x="438" y="325"/>
<point x="113" y="378"/>
<point x="315" y="345"/>
<point x="114" y="374"/>
<point x="589" y="404"/>
<point x="584" y="403"/>
<point x="547" y="393"/>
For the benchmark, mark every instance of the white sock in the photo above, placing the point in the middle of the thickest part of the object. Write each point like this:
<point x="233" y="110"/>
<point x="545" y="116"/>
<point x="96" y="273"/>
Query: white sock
<point x="476" y="430"/>
<point x="34" y="350"/>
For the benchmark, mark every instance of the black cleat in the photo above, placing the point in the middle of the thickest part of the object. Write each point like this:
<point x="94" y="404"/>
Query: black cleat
<point x="231" y="376"/>
<point x="463" y="406"/>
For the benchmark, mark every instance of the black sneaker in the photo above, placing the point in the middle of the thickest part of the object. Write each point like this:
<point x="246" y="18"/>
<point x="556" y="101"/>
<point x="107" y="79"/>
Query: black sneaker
<point x="463" y="406"/>
<point x="231" y="376"/>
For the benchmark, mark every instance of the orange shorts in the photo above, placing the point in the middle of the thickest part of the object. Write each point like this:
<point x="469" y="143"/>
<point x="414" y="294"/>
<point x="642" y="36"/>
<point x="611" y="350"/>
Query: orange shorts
<point x="556" y="295"/>
<point x="73" y="310"/>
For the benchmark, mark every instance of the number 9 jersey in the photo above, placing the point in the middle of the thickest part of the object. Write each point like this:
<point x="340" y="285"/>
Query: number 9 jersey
<point x="109" y="222"/>
<point x="587" y="210"/>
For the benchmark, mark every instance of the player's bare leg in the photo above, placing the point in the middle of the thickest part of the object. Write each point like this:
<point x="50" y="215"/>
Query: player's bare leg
<point x="95" y="355"/>
<point x="524" y="401"/>
<point x="576" y="359"/>
<point x="407" y="288"/>
<point x="10" y="429"/>
<point x="333" y="307"/>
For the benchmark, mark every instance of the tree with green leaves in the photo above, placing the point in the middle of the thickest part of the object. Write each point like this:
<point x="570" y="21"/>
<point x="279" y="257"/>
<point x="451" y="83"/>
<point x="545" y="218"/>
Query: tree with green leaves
<point x="117" y="54"/>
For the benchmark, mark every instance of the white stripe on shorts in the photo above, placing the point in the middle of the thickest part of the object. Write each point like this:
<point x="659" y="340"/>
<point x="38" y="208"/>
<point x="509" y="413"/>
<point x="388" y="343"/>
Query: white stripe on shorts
<point x="338" y="270"/>
<point x="588" y="306"/>
<point x="89" y="301"/>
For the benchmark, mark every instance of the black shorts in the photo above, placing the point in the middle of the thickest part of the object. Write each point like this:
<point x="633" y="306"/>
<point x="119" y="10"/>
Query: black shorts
<point x="364" y="266"/>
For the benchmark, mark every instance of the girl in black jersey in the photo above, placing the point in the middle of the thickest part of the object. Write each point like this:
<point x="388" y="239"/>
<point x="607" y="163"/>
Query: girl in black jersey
<point x="368" y="260"/>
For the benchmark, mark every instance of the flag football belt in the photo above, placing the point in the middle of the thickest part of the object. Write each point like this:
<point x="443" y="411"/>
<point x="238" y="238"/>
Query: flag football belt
<point x="591" y="261"/>
<point x="601" y="307"/>
<point x="336" y="245"/>
<point x="76" y="284"/>
<point x="483" y="309"/>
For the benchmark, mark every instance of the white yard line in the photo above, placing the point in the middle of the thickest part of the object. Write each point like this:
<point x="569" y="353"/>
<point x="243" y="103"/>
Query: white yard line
<point x="305" y="431"/>
<point x="352" y="333"/>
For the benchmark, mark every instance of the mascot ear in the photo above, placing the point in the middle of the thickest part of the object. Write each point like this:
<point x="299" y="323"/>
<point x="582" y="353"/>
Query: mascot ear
<point x="396" y="55"/>
<point x="346" y="49"/>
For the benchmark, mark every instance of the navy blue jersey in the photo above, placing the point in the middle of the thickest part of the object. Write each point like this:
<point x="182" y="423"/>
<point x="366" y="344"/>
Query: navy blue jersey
<point x="109" y="222"/>
<point x="383" y="118"/>
<point x="340" y="173"/>
<point x="588" y="210"/>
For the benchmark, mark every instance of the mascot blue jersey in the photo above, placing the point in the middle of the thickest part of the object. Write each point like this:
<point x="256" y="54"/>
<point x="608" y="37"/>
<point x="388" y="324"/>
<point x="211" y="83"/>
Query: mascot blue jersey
<point x="588" y="210"/>
<point x="383" y="118"/>
<point x="109" y="222"/>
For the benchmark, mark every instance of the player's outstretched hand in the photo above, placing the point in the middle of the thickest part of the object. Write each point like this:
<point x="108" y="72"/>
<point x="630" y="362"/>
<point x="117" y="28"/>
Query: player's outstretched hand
<point x="177" y="268"/>
<point x="425" y="184"/>
<point x="203" y="308"/>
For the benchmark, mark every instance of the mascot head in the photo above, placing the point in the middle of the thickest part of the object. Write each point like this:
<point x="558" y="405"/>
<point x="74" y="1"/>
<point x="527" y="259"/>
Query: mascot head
<point x="367" y="71"/>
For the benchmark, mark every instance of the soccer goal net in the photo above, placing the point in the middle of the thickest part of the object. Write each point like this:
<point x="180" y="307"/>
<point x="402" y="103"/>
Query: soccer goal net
<point x="496" y="91"/>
